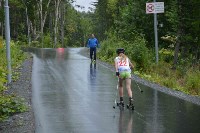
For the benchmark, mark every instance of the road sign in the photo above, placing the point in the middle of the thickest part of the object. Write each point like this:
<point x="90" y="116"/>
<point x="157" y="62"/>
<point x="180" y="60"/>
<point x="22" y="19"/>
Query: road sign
<point x="155" y="7"/>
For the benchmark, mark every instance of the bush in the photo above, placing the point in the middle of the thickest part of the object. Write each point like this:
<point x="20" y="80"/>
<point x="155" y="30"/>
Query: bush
<point x="192" y="81"/>
<point x="166" y="55"/>
<point x="169" y="82"/>
<point x="108" y="50"/>
<point x="35" y="44"/>
<point x="139" y="53"/>
<point x="136" y="51"/>
<point x="10" y="104"/>
<point x="47" y="41"/>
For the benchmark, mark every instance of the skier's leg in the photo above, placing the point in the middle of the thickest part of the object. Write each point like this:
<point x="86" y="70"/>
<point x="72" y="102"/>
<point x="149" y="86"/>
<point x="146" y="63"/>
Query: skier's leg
<point x="120" y="87"/>
<point x="91" y="53"/>
<point x="128" y="87"/>
<point x="95" y="50"/>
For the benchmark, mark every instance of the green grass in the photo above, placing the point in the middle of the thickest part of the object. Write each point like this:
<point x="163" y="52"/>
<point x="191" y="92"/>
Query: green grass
<point x="192" y="81"/>
<point x="187" y="82"/>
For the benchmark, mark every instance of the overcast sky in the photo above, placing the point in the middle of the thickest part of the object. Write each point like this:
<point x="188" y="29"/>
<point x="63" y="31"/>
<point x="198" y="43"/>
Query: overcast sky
<point x="84" y="3"/>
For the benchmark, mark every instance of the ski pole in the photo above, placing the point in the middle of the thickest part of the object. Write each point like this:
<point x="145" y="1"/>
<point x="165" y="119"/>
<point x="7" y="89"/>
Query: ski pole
<point x="116" y="96"/>
<point x="138" y="87"/>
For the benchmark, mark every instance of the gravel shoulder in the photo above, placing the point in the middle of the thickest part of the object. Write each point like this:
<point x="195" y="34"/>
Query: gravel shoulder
<point x="21" y="122"/>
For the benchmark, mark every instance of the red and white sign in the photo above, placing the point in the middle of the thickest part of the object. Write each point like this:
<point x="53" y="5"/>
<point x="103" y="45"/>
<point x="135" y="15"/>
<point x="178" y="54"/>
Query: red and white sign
<point x="155" y="7"/>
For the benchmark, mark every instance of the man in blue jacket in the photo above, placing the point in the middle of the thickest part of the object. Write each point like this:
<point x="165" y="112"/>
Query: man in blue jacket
<point x="93" y="44"/>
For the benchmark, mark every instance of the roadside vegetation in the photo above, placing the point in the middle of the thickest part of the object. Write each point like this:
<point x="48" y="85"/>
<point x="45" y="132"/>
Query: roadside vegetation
<point x="184" y="78"/>
<point x="124" y="23"/>
<point x="10" y="103"/>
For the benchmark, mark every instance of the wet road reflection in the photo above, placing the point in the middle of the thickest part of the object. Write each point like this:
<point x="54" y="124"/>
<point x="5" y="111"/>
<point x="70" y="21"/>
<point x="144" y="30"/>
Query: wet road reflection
<point x="72" y="95"/>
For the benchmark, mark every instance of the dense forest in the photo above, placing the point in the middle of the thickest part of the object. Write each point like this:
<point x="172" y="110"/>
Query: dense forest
<point x="116" y="23"/>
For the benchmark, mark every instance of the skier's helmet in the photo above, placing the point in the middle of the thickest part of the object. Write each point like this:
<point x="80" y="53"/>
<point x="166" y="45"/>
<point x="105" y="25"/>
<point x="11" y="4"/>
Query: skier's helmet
<point x="120" y="50"/>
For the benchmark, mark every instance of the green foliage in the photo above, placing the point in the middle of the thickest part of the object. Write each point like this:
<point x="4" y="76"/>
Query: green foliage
<point x="133" y="30"/>
<point x="35" y="44"/>
<point x="23" y="40"/>
<point x="136" y="50"/>
<point x="17" y="55"/>
<point x="47" y="41"/>
<point x="108" y="50"/>
<point x="139" y="53"/>
<point x="184" y="65"/>
<point x="161" y="73"/>
<point x="10" y="104"/>
<point x="172" y="15"/>
<point x="166" y="55"/>
<point x="192" y="80"/>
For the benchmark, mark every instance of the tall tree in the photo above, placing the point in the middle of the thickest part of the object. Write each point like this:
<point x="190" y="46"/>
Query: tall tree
<point x="43" y="10"/>
<point x="57" y="5"/>
<point x="102" y="18"/>
<point x="187" y="43"/>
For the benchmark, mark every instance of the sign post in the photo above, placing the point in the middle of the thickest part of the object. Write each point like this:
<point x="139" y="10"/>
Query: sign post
<point x="155" y="7"/>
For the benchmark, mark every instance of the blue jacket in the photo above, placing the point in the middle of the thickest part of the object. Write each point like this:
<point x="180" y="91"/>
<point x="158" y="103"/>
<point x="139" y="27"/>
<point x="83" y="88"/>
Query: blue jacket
<point x="92" y="43"/>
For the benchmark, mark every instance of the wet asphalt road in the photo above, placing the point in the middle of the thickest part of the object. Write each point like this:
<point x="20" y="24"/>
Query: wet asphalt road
<point x="71" y="95"/>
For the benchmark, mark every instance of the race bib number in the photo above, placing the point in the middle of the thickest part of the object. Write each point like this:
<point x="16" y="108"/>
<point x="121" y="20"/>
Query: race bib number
<point x="122" y="63"/>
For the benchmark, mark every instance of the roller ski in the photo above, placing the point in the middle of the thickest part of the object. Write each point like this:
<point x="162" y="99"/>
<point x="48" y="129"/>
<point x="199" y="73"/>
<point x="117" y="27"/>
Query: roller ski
<point x="120" y="105"/>
<point x="130" y="105"/>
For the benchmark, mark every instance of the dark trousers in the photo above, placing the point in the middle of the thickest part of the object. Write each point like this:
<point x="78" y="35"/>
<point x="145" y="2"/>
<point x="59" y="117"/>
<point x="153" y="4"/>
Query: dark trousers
<point x="93" y="51"/>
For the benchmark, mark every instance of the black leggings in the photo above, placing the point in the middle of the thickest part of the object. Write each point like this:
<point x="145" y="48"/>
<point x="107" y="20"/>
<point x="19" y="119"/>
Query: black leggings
<point x="93" y="50"/>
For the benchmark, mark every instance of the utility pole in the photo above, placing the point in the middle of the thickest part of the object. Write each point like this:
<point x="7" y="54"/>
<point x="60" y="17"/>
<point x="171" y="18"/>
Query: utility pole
<point x="7" y="34"/>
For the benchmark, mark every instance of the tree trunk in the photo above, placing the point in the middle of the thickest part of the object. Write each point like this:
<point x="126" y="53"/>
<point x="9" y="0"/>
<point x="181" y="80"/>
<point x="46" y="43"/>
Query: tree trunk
<point x="42" y="17"/>
<point x="179" y="34"/>
<point x="62" y="23"/>
<point x="176" y="51"/>
<point x="57" y="3"/>
<point x="28" y="28"/>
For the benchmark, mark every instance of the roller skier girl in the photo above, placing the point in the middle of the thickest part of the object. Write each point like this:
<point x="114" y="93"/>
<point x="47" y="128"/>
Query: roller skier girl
<point x="123" y="68"/>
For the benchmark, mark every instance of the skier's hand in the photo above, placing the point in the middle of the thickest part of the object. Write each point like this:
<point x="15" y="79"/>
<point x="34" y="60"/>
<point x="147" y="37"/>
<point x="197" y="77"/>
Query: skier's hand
<point x="117" y="74"/>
